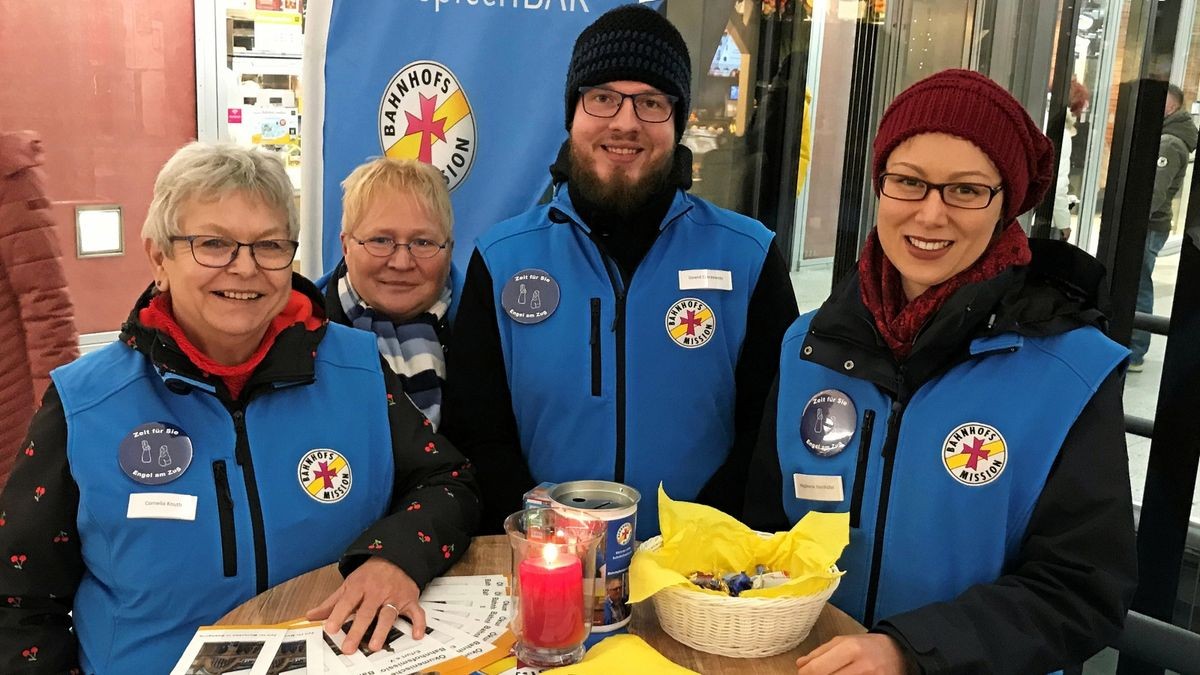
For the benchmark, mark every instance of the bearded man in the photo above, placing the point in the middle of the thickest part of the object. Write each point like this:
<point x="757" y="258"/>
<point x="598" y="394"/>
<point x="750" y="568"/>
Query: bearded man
<point x="625" y="331"/>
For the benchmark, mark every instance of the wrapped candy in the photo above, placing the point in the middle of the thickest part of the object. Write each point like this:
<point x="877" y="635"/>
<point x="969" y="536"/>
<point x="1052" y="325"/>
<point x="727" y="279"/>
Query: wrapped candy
<point x="738" y="582"/>
<point x="770" y="579"/>
<point x="734" y="583"/>
<point x="708" y="581"/>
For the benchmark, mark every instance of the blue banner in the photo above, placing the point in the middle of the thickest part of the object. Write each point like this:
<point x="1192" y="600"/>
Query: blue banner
<point x="474" y="87"/>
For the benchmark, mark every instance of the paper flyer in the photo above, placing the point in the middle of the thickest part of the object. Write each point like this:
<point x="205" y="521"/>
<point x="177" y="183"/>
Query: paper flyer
<point x="466" y="630"/>
<point x="230" y="651"/>
<point x="301" y="652"/>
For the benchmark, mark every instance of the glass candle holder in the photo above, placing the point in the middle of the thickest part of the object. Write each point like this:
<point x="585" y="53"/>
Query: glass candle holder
<point x="554" y="573"/>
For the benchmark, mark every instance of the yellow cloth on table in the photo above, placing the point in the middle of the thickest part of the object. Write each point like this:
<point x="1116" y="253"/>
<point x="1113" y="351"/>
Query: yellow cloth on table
<point x="622" y="655"/>
<point x="700" y="538"/>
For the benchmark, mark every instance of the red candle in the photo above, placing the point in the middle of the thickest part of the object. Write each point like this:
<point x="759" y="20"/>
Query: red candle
<point x="551" y="604"/>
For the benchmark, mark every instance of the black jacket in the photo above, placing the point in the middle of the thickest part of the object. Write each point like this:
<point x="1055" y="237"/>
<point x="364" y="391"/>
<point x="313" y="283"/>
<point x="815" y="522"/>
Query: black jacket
<point x="1077" y="569"/>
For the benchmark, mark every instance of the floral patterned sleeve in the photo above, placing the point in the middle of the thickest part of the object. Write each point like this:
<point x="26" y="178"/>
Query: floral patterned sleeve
<point x="435" y="499"/>
<point x="40" y="559"/>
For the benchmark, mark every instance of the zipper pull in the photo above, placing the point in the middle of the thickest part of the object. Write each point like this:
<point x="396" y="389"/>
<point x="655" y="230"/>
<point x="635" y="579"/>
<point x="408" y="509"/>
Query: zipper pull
<point x="239" y="428"/>
<point x="893" y="430"/>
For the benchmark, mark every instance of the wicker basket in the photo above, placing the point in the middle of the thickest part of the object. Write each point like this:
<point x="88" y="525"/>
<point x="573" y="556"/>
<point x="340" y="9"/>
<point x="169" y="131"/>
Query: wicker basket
<point x="738" y="627"/>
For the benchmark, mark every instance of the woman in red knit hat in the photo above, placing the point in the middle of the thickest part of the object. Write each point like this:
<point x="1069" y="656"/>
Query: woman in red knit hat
<point x="958" y="398"/>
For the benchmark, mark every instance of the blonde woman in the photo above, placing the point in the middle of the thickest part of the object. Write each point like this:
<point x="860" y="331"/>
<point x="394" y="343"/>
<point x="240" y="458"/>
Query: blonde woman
<point x="394" y="278"/>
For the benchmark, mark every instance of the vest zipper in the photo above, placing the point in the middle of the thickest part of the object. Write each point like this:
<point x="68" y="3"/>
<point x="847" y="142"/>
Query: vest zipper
<point x="242" y="452"/>
<point x="860" y="472"/>
<point x="225" y="514"/>
<point x="889" y="456"/>
<point x="594" y="341"/>
<point x="619" y="329"/>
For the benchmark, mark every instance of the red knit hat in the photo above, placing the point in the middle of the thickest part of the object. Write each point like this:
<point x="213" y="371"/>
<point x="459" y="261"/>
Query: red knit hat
<point x="972" y="107"/>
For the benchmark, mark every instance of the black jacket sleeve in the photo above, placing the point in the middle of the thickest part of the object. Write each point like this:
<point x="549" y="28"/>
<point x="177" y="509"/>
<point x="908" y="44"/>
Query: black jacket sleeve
<point x="1066" y="594"/>
<point x="478" y="415"/>
<point x="435" y="501"/>
<point x="764" y="500"/>
<point x="771" y="311"/>
<point x="42" y="563"/>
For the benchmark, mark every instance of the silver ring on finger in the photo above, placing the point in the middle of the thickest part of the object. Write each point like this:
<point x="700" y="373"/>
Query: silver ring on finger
<point x="393" y="608"/>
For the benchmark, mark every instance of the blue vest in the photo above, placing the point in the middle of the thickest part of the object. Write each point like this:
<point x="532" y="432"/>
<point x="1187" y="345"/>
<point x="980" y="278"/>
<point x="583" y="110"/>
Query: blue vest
<point x="150" y="582"/>
<point x="974" y="448"/>
<point x="605" y="369"/>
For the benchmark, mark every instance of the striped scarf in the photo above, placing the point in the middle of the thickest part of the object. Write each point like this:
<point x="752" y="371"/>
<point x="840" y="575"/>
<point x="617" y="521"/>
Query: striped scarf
<point x="411" y="348"/>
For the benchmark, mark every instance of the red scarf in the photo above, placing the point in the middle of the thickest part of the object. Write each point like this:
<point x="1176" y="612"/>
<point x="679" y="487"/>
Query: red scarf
<point x="158" y="315"/>
<point x="899" y="320"/>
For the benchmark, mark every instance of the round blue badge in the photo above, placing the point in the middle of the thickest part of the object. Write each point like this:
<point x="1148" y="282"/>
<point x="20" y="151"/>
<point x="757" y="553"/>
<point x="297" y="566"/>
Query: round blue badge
<point x="828" y="422"/>
<point x="155" y="453"/>
<point x="530" y="296"/>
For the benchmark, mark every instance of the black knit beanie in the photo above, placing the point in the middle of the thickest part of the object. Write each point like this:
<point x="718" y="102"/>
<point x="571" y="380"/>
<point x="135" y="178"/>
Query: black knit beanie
<point x="633" y="43"/>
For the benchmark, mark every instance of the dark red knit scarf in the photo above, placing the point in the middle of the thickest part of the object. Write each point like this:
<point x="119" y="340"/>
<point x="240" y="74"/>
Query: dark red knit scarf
<point x="159" y="315"/>
<point x="899" y="320"/>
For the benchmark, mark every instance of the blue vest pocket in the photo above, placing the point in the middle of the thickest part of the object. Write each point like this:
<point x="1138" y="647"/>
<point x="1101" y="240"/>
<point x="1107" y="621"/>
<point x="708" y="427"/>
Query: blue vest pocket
<point x="225" y="513"/>
<point x="860" y="471"/>
<point x="594" y="341"/>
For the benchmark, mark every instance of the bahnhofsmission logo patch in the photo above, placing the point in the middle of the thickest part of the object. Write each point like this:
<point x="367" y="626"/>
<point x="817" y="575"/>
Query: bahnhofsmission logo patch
<point x="975" y="454"/>
<point x="691" y="323"/>
<point x="325" y="475"/>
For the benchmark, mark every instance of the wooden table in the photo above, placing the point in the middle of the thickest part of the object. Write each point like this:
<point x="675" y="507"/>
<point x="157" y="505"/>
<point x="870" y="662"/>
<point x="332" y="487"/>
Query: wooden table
<point x="490" y="555"/>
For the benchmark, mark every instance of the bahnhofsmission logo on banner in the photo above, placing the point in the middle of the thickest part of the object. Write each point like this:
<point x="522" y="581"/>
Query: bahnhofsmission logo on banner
<point x="425" y="115"/>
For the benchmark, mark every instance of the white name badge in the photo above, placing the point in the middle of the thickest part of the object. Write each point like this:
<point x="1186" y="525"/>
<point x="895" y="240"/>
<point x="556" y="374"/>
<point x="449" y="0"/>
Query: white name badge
<point x="161" y="505"/>
<point x="818" y="488"/>
<point x="715" y="280"/>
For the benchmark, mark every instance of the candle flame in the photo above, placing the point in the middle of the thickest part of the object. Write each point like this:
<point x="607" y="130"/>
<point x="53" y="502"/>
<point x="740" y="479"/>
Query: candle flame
<point x="549" y="554"/>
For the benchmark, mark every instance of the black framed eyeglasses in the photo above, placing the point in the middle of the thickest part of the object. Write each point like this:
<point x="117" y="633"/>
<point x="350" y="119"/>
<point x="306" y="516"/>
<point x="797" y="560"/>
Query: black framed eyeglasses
<point x="959" y="195"/>
<point x="648" y="106"/>
<point x="383" y="247"/>
<point x="213" y="251"/>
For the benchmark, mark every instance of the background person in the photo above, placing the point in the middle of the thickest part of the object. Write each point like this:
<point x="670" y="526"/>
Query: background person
<point x="985" y="474"/>
<point x="1064" y="200"/>
<point x="394" y="277"/>
<point x="627" y="330"/>
<point x="230" y="440"/>
<point x="1175" y="146"/>
<point x="37" y="321"/>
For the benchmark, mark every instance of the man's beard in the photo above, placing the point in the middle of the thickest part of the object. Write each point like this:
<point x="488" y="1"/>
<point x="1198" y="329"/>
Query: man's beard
<point x="619" y="194"/>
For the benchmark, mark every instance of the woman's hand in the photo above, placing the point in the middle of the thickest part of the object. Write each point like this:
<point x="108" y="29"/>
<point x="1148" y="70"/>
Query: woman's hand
<point x="853" y="654"/>
<point x="376" y="588"/>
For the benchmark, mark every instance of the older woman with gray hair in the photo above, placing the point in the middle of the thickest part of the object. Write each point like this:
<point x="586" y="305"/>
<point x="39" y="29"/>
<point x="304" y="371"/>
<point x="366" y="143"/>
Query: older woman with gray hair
<point x="231" y="440"/>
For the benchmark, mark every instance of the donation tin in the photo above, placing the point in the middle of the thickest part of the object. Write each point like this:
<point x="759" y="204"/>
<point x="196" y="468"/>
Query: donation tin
<point x="615" y="504"/>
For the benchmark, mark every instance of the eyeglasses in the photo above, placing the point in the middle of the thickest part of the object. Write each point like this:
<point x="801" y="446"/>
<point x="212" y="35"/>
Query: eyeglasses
<point x="648" y="106"/>
<point x="382" y="247"/>
<point x="268" y="254"/>
<point x="958" y="195"/>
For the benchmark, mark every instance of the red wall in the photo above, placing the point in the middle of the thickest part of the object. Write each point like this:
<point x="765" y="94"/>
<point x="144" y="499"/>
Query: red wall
<point x="111" y="87"/>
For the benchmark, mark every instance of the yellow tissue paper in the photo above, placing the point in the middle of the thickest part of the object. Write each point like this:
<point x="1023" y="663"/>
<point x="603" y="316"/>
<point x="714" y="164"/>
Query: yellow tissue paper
<point x="700" y="538"/>
<point x="622" y="655"/>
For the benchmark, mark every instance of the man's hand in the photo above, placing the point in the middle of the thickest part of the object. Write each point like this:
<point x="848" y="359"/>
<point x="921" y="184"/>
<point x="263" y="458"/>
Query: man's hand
<point x="854" y="655"/>
<point x="377" y="588"/>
